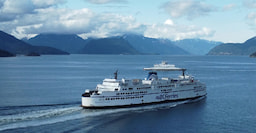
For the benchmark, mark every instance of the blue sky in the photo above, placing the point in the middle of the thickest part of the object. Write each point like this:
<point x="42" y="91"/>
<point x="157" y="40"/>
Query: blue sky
<point x="222" y="20"/>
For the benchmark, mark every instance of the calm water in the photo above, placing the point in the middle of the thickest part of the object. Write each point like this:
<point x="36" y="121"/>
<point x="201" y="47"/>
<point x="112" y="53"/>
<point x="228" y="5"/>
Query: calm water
<point x="42" y="94"/>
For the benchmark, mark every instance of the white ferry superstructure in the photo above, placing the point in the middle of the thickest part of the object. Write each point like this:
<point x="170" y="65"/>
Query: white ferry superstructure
<point x="114" y="93"/>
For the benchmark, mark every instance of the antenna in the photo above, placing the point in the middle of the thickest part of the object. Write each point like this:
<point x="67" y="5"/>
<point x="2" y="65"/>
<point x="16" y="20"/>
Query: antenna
<point x="116" y="74"/>
<point x="183" y="73"/>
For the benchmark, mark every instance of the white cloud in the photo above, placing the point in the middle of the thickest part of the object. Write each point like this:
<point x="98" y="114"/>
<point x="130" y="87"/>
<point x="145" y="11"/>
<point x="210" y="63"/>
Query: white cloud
<point x="249" y="3"/>
<point x="177" y="32"/>
<point x="18" y="7"/>
<point x="54" y="21"/>
<point x="47" y="3"/>
<point x="113" y="25"/>
<point x="229" y="7"/>
<point x="105" y="1"/>
<point x="168" y="22"/>
<point x="12" y="9"/>
<point x="187" y="8"/>
<point x="251" y="17"/>
<point x="72" y="21"/>
<point x="19" y="31"/>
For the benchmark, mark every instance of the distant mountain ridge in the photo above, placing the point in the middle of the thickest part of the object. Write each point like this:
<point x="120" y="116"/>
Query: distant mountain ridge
<point x="246" y="48"/>
<point x="114" y="45"/>
<point x="15" y="46"/>
<point x="144" y="45"/>
<point x="154" y="46"/>
<point x="197" y="46"/>
<point x="76" y="45"/>
<point x="71" y="43"/>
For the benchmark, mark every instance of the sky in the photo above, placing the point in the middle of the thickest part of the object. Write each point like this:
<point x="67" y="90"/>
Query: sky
<point x="216" y="20"/>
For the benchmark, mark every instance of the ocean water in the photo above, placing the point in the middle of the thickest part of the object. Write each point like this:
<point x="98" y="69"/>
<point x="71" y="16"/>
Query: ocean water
<point x="42" y="94"/>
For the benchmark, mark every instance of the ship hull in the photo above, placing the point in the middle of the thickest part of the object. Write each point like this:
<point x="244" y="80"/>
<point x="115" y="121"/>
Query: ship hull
<point x="141" y="104"/>
<point x="142" y="99"/>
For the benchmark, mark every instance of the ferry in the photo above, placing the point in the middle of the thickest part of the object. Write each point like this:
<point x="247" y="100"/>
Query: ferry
<point x="115" y="93"/>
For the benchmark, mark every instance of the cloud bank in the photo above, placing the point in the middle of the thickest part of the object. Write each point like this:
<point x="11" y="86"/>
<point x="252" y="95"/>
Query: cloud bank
<point x="105" y="1"/>
<point x="251" y="17"/>
<point x="24" y="18"/>
<point x="187" y="8"/>
<point x="229" y="7"/>
<point x="177" y="32"/>
<point x="250" y="3"/>
<point x="27" y="18"/>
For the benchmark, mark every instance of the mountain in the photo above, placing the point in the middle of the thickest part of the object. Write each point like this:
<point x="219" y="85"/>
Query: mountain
<point x="15" y="46"/>
<point x="197" y="46"/>
<point x="113" y="45"/>
<point x="153" y="46"/>
<point x="253" y="55"/>
<point x="246" y="48"/>
<point x="144" y="45"/>
<point x="66" y="42"/>
<point x="4" y="53"/>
